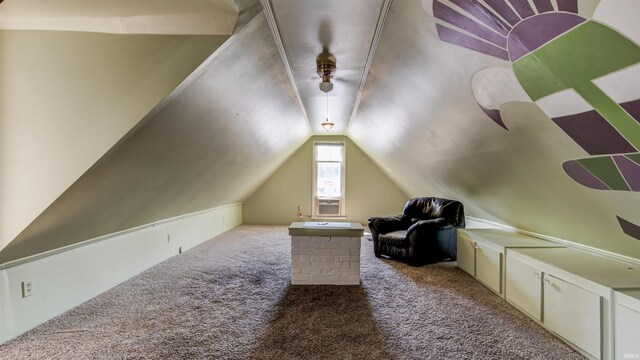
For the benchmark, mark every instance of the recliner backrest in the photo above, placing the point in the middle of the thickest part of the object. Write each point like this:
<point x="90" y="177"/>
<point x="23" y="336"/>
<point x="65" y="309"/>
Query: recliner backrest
<point x="432" y="207"/>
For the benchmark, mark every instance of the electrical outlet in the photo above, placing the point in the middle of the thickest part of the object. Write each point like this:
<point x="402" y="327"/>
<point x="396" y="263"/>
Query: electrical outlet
<point x="27" y="288"/>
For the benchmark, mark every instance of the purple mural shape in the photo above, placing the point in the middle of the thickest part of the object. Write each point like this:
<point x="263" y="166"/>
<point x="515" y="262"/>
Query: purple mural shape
<point x="481" y="13"/>
<point x="582" y="176"/>
<point x="523" y="8"/>
<point x="632" y="108"/>
<point x="568" y="5"/>
<point x="481" y="28"/>
<point x="593" y="133"/>
<point x="530" y="37"/>
<point x="534" y="32"/>
<point x="629" y="228"/>
<point x="630" y="170"/>
<point x="464" y="40"/>
<point x="445" y="13"/>
<point x="543" y="5"/>
<point x="494" y="114"/>
<point x="505" y="10"/>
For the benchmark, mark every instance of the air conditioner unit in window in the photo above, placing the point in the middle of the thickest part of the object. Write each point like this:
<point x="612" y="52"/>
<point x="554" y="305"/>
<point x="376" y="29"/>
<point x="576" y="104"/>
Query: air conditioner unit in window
<point x="328" y="207"/>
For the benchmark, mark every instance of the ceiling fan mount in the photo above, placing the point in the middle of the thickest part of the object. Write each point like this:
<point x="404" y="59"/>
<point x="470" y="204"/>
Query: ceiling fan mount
<point x="326" y="69"/>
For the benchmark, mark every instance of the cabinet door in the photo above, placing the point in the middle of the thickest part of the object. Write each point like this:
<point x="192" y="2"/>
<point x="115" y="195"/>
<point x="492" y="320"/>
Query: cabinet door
<point x="466" y="255"/>
<point x="489" y="267"/>
<point x="627" y="332"/>
<point x="523" y="287"/>
<point x="573" y="313"/>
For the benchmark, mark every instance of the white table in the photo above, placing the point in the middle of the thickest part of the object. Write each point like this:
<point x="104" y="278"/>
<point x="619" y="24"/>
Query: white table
<point x="325" y="253"/>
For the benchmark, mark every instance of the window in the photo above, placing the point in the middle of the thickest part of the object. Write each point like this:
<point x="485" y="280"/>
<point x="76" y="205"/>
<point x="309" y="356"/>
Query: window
<point x="328" y="179"/>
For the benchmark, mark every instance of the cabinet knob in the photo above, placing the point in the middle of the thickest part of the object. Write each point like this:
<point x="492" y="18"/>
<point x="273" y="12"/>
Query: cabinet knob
<point x="547" y="281"/>
<point x="536" y="274"/>
<point x="476" y="246"/>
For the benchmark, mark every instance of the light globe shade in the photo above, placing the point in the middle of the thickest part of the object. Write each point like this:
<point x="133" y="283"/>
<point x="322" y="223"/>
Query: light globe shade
<point x="326" y="86"/>
<point x="327" y="125"/>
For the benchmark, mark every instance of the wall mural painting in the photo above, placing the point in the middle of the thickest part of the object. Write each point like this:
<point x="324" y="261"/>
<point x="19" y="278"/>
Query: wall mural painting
<point x="577" y="68"/>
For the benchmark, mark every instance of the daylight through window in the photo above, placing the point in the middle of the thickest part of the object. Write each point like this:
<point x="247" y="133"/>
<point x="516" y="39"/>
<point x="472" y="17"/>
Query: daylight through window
<point x="328" y="176"/>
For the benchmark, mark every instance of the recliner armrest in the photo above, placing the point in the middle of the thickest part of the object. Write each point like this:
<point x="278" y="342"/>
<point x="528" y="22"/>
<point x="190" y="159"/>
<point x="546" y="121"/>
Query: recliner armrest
<point x="430" y="225"/>
<point x="385" y="224"/>
<point x="434" y="239"/>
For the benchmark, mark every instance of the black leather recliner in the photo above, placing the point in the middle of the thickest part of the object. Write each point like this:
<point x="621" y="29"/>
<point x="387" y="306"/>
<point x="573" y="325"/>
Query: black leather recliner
<point x="425" y="231"/>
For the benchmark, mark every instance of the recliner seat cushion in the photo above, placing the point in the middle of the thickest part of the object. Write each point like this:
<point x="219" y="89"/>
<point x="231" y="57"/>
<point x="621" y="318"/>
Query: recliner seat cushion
<point x="395" y="238"/>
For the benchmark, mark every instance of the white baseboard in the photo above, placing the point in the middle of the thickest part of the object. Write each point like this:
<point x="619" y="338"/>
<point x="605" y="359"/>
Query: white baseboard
<point x="63" y="279"/>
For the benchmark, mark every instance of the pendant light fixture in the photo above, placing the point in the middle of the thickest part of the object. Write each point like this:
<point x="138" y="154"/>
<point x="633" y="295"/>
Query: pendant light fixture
<point x="326" y="68"/>
<point x="327" y="125"/>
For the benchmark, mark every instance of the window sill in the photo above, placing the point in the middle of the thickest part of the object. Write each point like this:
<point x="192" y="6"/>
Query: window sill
<point x="328" y="218"/>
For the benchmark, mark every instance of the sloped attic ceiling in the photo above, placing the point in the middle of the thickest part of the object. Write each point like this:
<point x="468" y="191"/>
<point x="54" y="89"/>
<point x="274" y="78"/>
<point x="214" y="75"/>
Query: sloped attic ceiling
<point x="213" y="141"/>
<point x="67" y="90"/>
<point x="446" y="113"/>
<point x="430" y="115"/>
<point x="195" y="17"/>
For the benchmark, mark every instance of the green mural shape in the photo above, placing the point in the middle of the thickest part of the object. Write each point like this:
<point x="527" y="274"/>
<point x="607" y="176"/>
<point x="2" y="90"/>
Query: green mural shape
<point x="554" y="50"/>
<point x="635" y="158"/>
<point x="573" y="61"/>
<point x="605" y="169"/>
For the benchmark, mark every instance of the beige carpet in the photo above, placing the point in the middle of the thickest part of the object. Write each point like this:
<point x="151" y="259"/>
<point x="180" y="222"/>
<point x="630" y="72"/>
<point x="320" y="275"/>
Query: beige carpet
<point x="230" y="298"/>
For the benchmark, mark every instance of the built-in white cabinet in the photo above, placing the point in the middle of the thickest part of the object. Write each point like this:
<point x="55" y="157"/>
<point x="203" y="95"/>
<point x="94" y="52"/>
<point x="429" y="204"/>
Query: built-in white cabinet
<point x="569" y="292"/>
<point x="489" y="265"/>
<point x="627" y="324"/>
<point x="525" y="287"/>
<point x="481" y="253"/>
<point x="573" y="313"/>
<point x="564" y="308"/>
<point x="481" y="260"/>
<point x="466" y="253"/>
<point x="589" y="300"/>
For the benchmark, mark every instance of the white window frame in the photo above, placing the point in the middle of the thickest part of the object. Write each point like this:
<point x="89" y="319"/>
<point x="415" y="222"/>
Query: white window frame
<point x="343" y="185"/>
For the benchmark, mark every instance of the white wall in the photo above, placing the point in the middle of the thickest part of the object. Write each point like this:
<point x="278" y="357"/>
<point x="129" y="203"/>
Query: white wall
<point x="204" y="145"/>
<point x="368" y="191"/>
<point x="68" y="277"/>
<point x="65" y="91"/>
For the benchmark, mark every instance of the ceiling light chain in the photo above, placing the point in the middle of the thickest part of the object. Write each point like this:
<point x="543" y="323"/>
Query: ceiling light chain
<point x="326" y="67"/>
<point x="327" y="125"/>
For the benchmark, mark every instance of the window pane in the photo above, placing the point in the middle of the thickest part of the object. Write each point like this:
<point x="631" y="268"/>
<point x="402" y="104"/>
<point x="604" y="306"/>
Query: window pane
<point x="328" y="183"/>
<point x="328" y="152"/>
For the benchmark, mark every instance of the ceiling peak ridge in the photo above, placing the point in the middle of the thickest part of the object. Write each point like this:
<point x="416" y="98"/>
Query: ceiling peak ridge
<point x="267" y="9"/>
<point x="350" y="31"/>
<point x="375" y="41"/>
